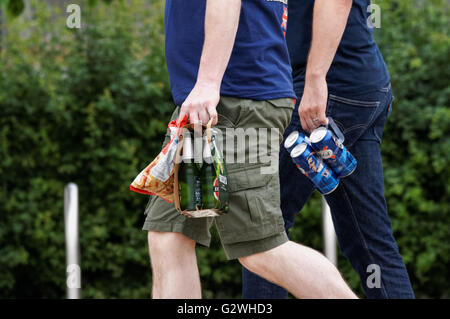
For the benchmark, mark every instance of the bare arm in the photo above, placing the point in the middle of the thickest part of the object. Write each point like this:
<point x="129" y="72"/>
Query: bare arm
<point x="329" y="21"/>
<point x="221" y="24"/>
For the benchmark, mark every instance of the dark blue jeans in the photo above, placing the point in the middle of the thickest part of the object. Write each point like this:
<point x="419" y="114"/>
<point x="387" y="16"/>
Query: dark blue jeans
<point x="358" y="205"/>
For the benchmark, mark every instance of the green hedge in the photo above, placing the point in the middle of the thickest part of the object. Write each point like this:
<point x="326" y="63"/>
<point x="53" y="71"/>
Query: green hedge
<point x="91" y="106"/>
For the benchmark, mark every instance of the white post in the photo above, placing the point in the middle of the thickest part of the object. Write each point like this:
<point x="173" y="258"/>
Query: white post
<point x="329" y="235"/>
<point x="73" y="270"/>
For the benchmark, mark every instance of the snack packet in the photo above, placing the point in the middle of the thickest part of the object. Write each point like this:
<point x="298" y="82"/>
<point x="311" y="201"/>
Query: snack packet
<point x="158" y="177"/>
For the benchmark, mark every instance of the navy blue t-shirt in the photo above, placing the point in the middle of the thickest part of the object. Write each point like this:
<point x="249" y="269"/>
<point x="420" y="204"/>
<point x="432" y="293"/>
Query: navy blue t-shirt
<point x="259" y="67"/>
<point x="358" y="66"/>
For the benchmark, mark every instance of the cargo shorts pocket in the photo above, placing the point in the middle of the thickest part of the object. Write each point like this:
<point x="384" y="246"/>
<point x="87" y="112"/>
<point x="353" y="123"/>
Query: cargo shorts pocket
<point x="229" y="111"/>
<point x="254" y="206"/>
<point x="285" y="107"/>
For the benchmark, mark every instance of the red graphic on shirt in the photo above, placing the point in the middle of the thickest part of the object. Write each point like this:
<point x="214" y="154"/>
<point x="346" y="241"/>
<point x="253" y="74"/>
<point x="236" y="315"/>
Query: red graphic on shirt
<point x="285" y="20"/>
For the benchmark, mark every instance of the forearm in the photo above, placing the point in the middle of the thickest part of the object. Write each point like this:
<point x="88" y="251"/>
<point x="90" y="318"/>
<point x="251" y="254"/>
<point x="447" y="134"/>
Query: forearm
<point x="221" y="24"/>
<point x="329" y="21"/>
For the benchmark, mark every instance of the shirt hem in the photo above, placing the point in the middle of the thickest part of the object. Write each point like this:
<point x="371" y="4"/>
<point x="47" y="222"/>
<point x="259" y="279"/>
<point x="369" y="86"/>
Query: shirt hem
<point x="250" y="96"/>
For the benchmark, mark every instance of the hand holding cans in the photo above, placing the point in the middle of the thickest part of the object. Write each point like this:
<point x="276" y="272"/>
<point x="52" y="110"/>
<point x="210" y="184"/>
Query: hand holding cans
<point x="322" y="157"/>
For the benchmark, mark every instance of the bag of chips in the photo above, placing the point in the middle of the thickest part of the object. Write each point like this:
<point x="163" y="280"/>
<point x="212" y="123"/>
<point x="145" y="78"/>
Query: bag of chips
<point x="158" y="177"/>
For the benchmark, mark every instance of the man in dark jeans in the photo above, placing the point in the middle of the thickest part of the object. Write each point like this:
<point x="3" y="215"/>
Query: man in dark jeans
<point x="339" y="72"/>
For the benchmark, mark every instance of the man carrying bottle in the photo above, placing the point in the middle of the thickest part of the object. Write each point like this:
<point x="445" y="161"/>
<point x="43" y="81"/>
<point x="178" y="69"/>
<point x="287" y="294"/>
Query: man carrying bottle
<point x="228" y="60"/>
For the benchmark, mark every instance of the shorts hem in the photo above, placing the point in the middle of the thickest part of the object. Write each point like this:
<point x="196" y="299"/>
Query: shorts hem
<point x="189" y="232"/>
<point x="248" y="248"/>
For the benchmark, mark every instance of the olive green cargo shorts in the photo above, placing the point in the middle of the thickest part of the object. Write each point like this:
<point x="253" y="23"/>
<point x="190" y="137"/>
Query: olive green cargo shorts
<point x="254" y="222"/>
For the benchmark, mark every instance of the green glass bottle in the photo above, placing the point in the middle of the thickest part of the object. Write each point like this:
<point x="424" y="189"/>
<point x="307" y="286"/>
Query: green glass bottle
<point x="209" y="181"/>
<point x="189" y="178"/>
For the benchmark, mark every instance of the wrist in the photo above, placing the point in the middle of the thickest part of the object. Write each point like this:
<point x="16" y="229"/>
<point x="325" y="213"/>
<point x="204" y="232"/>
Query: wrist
<point x="210" y="82"/>
<point x="314" y="76"/>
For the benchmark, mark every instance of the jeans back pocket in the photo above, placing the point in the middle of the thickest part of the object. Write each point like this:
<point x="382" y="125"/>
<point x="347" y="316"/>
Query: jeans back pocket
<point x="353" y="115"/>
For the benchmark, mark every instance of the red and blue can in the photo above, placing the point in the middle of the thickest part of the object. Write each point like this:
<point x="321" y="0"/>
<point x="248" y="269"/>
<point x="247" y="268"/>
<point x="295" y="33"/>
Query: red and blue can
<point x="314" y="168"/>
<point x="333" y="152"/>
<point x="294" y="139"/>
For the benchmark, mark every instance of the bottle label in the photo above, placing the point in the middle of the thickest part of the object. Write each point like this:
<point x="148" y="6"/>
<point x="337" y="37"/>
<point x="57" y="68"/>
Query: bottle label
<point x="223" y="179"/>
<point x="216" y="189"/>
<point x="198" y="192"/>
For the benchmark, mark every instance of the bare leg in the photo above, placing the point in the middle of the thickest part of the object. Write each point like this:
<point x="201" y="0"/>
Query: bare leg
<point x="302" y="271"/>
<point x="174" y="266"/>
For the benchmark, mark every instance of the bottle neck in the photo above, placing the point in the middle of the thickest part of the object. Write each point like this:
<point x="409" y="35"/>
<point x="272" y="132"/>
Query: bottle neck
<point x="206" y="150"/>
<point x="188" y="148"/>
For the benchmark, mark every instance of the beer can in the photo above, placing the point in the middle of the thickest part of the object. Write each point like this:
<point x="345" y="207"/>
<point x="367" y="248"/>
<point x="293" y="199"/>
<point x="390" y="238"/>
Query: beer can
<point x="333" y="152"/>
<point x="314" y="168"/>
<point x="294" y="139"/>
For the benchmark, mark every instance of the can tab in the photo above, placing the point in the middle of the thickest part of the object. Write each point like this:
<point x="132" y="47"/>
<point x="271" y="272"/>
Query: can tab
<point x="336" y="130"/>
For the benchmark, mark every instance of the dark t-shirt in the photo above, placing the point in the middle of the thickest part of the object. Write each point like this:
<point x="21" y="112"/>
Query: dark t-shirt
<point x="358" y="66"/>
<point x="259" y="66"/>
